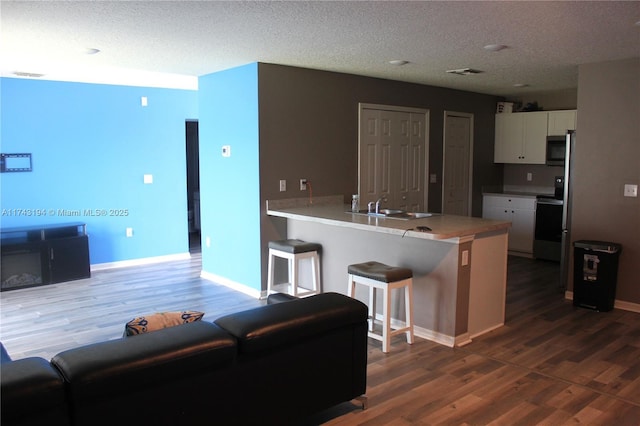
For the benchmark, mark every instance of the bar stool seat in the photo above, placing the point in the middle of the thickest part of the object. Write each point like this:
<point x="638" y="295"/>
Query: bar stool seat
<point x="294" y="251"/>
<point x="378" y="276"/>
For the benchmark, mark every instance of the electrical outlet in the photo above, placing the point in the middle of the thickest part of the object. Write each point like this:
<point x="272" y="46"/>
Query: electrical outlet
<point x="283" y="185"/>
<point x="129" y="232"/>
<point x="303" y="184"/>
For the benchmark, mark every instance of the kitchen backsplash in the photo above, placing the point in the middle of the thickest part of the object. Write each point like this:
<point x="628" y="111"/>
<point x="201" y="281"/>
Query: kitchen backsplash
<point x="515" y="175"/>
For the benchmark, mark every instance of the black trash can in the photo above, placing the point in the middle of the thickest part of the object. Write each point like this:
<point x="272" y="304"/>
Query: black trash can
<point x="595" y="274"/>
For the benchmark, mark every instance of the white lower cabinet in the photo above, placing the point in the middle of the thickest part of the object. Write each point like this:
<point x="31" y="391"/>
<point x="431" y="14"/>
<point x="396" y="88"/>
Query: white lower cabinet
<point x="520" y="211"/>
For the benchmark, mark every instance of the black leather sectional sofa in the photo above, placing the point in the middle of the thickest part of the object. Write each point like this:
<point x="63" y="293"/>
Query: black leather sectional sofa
<point x="277" y="364"/>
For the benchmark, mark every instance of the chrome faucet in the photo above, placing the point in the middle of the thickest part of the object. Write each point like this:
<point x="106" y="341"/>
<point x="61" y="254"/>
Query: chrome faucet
<point x="370" y="205"/>
<point x="378" y="205"/>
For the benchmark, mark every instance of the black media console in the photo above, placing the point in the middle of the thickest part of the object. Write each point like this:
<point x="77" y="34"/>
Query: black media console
<point x="44" y="254"/>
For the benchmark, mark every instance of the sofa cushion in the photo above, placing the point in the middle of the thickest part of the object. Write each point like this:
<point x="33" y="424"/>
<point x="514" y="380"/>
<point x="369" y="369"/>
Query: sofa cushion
<point x="159" y="321"/>
<point x="279" y="324"/>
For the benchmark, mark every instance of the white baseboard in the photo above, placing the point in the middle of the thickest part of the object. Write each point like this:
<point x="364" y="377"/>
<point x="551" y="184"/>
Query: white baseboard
<point x="242" y="288"/>
<point x="427" y="334"/>
<point x="618" y="304"/>
<point x="434" y="336"/>
<point x="138" y="262"/>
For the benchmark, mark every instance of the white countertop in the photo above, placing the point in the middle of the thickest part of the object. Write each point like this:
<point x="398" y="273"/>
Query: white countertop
<point x="442" y="226"/>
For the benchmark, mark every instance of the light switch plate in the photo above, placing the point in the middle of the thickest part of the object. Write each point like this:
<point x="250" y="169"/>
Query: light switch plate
<point x="226" y="151"/>
<point x="630" y="190"/>
<point x="148" y="179"/>
<point x="465" y="258"/>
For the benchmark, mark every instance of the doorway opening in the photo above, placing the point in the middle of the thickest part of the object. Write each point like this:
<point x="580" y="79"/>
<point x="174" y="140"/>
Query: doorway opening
<point x="193" y="184"/>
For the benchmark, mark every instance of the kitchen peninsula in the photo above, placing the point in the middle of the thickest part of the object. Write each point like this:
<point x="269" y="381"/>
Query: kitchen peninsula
<point x="459" y="267"/>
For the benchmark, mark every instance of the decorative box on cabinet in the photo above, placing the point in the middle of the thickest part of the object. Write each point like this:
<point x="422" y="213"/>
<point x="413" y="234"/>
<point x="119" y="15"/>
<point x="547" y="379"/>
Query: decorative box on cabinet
<point x="521" y="138"/>
<point x="45" y="254"/>
<point x="520" y="211"/>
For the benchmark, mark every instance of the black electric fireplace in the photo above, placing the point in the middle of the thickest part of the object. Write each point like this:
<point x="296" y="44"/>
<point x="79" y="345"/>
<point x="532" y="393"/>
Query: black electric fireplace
<point x="40" y="255"/>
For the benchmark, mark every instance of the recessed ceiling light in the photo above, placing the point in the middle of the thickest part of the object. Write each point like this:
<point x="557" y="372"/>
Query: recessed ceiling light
<point x="464" y="71"/>
<point x="495" y="47"/>
<point x="91" y="51"/>
<point x="398" y="62"/>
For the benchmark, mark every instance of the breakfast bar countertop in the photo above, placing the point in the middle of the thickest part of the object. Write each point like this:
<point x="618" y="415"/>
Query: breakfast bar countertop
<point x="442" y="226"/>
<point x="459" y="264"/>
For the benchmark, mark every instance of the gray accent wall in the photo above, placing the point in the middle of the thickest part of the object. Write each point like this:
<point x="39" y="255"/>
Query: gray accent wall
<point x="608" y="156"/>
<point x="309" y="129"/>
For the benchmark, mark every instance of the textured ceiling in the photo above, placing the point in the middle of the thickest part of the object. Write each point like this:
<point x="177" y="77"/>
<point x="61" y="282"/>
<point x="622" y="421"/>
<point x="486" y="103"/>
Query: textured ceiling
<point x="546" y="40"/>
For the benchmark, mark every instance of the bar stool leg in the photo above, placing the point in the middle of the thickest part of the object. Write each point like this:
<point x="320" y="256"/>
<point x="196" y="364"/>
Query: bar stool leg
<point x="372" y="307"/>
<point x="270" y="277"/>
<point x="315" y="266"/>
<point x="408" y="302"/>
<point x="386" y="317"/>
<point x="351" y="286"/>
<point x="293" y="275"/>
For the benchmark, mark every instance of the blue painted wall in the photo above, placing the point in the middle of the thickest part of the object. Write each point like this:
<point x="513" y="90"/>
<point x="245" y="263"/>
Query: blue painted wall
<point x="91" y="146"/>
<point x="229" y="186"/>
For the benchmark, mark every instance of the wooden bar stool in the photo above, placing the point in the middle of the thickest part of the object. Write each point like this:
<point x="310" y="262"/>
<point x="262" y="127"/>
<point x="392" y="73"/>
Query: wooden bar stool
<point x="294" y="251"/>
<point x="376" y="275"/>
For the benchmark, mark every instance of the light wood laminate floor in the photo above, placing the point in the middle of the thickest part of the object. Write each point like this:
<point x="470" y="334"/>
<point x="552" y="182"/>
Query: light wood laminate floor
<point x="550" y="364"/>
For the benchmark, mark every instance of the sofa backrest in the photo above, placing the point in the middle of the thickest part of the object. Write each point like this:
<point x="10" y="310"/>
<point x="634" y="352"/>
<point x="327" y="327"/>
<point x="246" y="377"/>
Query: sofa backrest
<point x="272" y="326"/>
<point x="32" y="393"/>
<point x="151" y="378"/>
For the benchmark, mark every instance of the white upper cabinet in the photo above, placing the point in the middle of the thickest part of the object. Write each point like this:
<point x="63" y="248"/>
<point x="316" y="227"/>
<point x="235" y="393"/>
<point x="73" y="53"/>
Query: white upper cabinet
<point x="561" y="121"/>
<point x="521" y="138"/>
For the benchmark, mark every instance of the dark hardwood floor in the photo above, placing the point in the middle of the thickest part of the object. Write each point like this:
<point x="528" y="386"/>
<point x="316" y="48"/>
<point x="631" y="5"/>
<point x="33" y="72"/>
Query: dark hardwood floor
<point x="550" y="364"/>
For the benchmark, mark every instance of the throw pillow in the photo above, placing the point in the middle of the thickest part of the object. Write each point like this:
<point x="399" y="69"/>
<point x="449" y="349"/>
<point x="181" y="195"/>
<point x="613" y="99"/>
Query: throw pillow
<point x="159" y="321"/>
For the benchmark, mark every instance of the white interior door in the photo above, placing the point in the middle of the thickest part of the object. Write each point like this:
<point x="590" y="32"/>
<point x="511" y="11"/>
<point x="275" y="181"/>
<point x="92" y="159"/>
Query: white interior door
<point x="392" y="156"/>
<point x="457" y="163"/>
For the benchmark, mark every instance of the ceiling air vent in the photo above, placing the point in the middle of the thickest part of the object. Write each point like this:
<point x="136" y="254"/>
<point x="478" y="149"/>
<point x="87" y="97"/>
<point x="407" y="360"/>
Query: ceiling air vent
<point x="28" y="74"/>
<point x="464" y="71"/>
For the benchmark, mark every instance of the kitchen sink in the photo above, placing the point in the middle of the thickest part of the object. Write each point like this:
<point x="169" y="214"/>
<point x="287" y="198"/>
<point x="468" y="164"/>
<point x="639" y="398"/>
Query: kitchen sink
<point x="394" y="214"/>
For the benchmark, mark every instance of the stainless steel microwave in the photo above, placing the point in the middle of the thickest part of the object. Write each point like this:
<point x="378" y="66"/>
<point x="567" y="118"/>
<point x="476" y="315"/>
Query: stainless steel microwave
<point x="556" y="150"/>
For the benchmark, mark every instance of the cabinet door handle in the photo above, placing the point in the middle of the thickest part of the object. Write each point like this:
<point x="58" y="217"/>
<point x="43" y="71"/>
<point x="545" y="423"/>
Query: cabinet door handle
<point x="51" y="254"/>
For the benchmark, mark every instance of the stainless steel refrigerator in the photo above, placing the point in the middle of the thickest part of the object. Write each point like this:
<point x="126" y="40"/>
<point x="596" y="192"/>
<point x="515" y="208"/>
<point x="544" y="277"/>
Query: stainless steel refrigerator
<point x="565" y="254"/>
